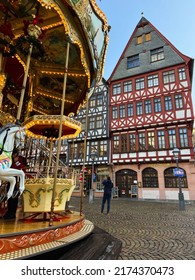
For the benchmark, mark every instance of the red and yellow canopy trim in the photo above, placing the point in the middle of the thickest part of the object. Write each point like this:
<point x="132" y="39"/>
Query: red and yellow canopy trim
<point x="47" y="127"/>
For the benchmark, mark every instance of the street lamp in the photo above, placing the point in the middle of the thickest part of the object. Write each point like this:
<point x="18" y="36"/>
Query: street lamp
<point x="93" y="156"/>
<point x="176" y="153"/>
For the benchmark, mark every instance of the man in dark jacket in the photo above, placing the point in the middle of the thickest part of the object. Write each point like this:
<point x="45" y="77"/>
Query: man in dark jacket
<point x="108" y="185"/>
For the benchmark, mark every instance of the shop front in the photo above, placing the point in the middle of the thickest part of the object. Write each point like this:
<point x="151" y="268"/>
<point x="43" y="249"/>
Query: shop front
<point x="126" y="181"/>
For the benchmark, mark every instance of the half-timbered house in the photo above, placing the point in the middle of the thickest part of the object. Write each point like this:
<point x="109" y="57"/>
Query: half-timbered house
<point x="92" y="146"/>
<point x="151" y="113"/>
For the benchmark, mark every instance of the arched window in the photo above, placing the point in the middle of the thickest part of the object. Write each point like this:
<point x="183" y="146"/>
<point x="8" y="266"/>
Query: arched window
<point x="171" y="181"/>
<point x="150" y="178"/>
<point x="125" y="178"/>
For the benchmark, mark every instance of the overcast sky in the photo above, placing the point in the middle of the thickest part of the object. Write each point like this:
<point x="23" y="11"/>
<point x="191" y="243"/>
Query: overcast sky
<point x="175" y="19"/>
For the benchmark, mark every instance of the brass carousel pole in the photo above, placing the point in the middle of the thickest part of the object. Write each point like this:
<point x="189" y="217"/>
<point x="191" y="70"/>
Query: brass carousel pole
<point x="50" y="155"/>
<point x="24" y="84"/>
<point x="59" y="135"/>
<point x="85" y="152"/>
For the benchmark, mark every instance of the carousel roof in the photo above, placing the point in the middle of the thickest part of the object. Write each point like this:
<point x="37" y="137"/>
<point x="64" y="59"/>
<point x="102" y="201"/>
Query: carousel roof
<point x="81" y="23"/>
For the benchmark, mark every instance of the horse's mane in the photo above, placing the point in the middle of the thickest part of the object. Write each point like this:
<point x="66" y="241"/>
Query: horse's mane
<point x="9" y="125"/>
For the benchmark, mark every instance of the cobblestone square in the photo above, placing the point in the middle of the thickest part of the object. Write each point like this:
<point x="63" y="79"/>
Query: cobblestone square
<point x="148" y="229"/>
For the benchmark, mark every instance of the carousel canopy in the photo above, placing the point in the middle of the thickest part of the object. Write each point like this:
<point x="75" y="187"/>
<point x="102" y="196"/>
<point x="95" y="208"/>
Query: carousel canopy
<point x="47" y="127"/>
<point x="48" y="26"/>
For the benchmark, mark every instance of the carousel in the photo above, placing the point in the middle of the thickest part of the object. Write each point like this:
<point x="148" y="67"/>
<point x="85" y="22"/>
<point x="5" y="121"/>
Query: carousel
<point x="51" y="54"/>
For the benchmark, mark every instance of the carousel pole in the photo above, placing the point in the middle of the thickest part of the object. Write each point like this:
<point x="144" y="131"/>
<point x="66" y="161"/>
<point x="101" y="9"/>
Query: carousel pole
<point x="50" y="155"/>
<point x="59" y="135"/>
<point x="24" y="84"/>
<point x="1" y="62"/>
<point x="2" y="78"/>
<point x="85" y="153"/>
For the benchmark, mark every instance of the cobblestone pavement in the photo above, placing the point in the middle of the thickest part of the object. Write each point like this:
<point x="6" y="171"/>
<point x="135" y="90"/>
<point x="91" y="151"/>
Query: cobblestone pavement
<point x="148" y="229"/>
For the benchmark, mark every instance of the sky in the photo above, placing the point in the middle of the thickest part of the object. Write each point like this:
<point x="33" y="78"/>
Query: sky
<point x="175" y="19"/>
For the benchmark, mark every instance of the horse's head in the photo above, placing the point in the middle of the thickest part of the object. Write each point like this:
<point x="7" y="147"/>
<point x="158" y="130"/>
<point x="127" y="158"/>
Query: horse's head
<point x="20" y="137"/>
<point x="9" y="135"/>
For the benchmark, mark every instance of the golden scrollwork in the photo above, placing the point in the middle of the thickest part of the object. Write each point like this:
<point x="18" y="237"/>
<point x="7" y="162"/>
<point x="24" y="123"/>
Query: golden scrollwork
<point x="10" y="244"/>
<point x="6" y="118"/>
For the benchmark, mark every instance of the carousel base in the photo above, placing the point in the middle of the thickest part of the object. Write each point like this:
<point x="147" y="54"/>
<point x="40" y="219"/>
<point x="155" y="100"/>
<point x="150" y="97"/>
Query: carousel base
<point x="21" y="240"/>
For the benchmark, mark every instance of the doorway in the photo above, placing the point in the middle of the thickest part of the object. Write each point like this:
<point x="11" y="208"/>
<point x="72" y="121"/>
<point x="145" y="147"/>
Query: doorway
<point x="124" y="180"/>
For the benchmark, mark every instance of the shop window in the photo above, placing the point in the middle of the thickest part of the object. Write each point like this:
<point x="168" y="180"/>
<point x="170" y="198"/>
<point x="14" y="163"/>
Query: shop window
<point x="150" y="178"/>
<point x="171" y="181"/>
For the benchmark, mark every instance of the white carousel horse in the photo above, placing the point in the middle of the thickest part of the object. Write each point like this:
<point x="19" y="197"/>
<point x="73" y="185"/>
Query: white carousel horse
<point x="9" y="135"/>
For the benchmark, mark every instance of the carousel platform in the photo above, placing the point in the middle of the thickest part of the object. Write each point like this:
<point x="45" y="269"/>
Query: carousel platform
<point x="21" y="239"/>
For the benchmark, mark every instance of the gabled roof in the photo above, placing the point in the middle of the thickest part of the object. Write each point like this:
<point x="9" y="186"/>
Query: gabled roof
<point x="172" y="55"/>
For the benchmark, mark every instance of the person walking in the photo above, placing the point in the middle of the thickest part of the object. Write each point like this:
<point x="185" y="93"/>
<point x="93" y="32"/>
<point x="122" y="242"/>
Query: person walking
<point x="108" y="185"/>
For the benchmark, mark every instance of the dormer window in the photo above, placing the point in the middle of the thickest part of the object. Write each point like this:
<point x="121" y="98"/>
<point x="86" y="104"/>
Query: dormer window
<point x="139" y="40"/>
<point x="143" y="38"/>
<point x="148" y="37"/>
<point x="157" y="54"/>
<point x="133" y="61"/>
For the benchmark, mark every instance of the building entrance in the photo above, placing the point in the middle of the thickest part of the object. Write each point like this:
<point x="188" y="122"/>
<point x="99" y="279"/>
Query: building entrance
<point x="125" y="179"/>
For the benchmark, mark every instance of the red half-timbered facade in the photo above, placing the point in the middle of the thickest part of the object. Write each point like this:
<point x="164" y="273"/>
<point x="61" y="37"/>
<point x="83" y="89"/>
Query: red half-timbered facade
<point x="151" y="113"/>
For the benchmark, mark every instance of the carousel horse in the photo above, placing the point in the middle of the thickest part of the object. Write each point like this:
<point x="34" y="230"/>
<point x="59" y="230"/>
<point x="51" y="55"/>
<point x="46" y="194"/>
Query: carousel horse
<point x="10" y="135"/>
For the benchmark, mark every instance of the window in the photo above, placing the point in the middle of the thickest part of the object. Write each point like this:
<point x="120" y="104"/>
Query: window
<point x="93" y="147"/>
<point x="115" y="112"/>
<point x="92" y="102"/>
<point x="123" y="143"/>
<point x="139" y="109"/>
<point x="161" y="139"/>
<point x="139" y="40"/>
<point x="139" y="83"/>
<point x="171" y="181"/>
<point x="127" y="86"/>
<point x="99" y="100"/>
<point x="130" y="110"/>
<point x="183" y="137"/>
<point x="178" y="101"/>
<point x="82" y="124"/>
<point x="80" y="150"/>
<point x="91" y="122"/>
<point x="103" y="148"/>
<point x="151" y="140"/>
<point x="172" y="138"/>
<point x="133" y="61"/>
<point x="150" y="178"/>
<point x="182" y="74"/>
<point x="148" y="37"/>
<point x="157" y="54"/>
<point x="148" y="106"/>
<point x="99" y="122"/>
<point x="132" y="142"/>
<point x="157" y="105"/>
<point x="169" y="77"/>
<point x="122" y="111"/>
<point x="116" y="89"/>
<point x="153" y="81"/>
<point x="142" y="141"/>
<point x="73" y="151"/>
<point x="116" y="144"/>
<point x="168" y="103"/>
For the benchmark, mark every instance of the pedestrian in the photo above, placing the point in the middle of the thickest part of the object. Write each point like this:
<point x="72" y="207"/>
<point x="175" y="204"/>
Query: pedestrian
<point x="18" y="162"/>
<point x="108" y="185"/>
